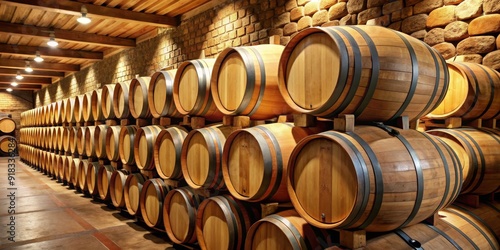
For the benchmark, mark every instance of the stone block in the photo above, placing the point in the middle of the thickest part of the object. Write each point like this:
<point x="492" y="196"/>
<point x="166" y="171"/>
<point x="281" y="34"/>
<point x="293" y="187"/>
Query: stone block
<point x="472" y="58"/>
<point x="434" y="36"/>
<point x="476" y="45"/>
<point x="296" y="14"/>
<point x="375" y="3"/>
<point x="355" y="6"/>
<point x="427" y="6"/>
<point x="498" y="42"/>
<point x="304" y="22"/>
<point x="368" y="14"/>
<point x="491" y="6"/>
<point x="289" y="29"/>
<point x="302" y="2"/>
<point x="414" y="23"/>
<point x="456" y="31"/>
<point x="320" y="18"/>
<point x="282" y="20"/>
<point x="469" y="9"/>
<point x="395" y="26"/>
<point x="452" y="2"/>
<point x="392" y="7"/>
<point x="331" y="23"/>
<point x="395" y="16"/>
<point x="290" y="5"/>
<point x="441" y="16"/>
<point x="325" y="4"/>
<point x="420" y="34"/>
<point x="337" y="11"/>
<point x="485" y="24"/>
<point x="380" y="21"/>
<point x="407" y="12"/>
<point x="492" y="60"/>
<point x="348" y="20"/>
<point x="311" y="8"/>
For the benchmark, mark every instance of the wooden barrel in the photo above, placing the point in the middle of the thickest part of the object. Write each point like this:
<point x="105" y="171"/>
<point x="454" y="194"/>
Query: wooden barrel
<point x="192" y="89"/>
<point x="59" y="166"/>
<point x="7" y="125"/>
<point x="78" y="108"/>
<point x="80" y="140"/>
<point x="126" y="144"/>
<point x="116" y="185"/>
<point x="73" y="140"/>
<point x="222" y="222"/>
<point x="87" y="107"/>
<point x="112" y="142"/>
<point x="343" y="180"/>
<point x="64" y="103"/>
<point x="132" y="192"/>
<point x="60" y="139"/>
<point x="401" y="76"/>
<point x="103" y="177"/>
<point x="245" y="82"/>
<point x="487" y="212"/>
<point x="90" y="141"/>
<point x="474" y="93"/>
<point x="52" y="164"/>
<point x="151" y="201"/>
<point x="167" y="152"/>
<point x="65" y="138"/>
<point x="8" y="144"/>
<point x="100" y="134"/>
<point x="144" y="141"/>
<point x="201" y="157"/>
<point x="95" y="105"/>
<point x="138" y="97"/>
<point x="255" y="161"/>
<point x="69" y="110"/>
<point x="72" y="177"/>
<point x="58" y="113"/>
<point x="46" y="116"/>
<point x="92" y="177"/>
<point x="65" y="170"/>
<point x="482" y="147"/>
<point x="287" y="230"/>
<point x="81" y="176"/>
<point x="107" y="101"/>
<point x="179" y="214"/>
<point x="121" y="101"/>
<point x="161" y="94"/>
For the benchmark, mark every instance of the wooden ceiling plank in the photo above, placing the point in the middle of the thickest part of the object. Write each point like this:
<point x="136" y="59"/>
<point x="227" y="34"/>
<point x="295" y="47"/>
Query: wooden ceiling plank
<point x="19" y="87"/>
<point x="49" y="52"/>
<point x="74" y="8"/>
<point x="26" y="80"/>
<point x="35" y="73"/>
<point x="66" y="35"/>
<point x="21" y="64"/>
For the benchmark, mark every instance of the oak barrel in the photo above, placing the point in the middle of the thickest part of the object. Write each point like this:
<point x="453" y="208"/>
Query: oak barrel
<point x="255" y="160"/>
<point x="78" y="108"/>
<point x="222" y="222"/>
<point x="126" y="144"/>
<point x="201" y="157"/>
<point x="57" y="118"/>
<point x="287" y="230"/>
<point x="375" y="178"/>
<point x="87" y="107"/>
<point x="72" y="177"/>
<point x="7" y="125"/>
<point x="81" y="176"/>
<point x="107" y="95"/>
<point x="90" y="141"/>
<point x="161" y="94"/>
<point x="192" y="89"/>
<point x="103" y="177"/>
<point x="375" y="73"/>
<point x="245" y="82"/>
<point x="100" y="135"/>
<point x="132" y="192"/>
<point x="65" y="170"/>
<point x="179" y="214"/>
<point x="80" y="140"/>
<point x="66" y="138"/>
<point x="92" y="177"/>
<point x="116" y="185"/>
<point x="95" y="105"/>
<point x="120" y="100"/>
<point x="73" y="140"/>
<point x="8" y="144"/>
<point x="151" y="201"/>
<point x="138" y="97"/>
<point x="473" y="93"/>
<point x="167" y="152"/>
<point x="69" y="110"/>
<point x="60" y="139"/>
<point x="144" y="141"/>
<point x="112" y="142"/>
<point x="482" y="147"/>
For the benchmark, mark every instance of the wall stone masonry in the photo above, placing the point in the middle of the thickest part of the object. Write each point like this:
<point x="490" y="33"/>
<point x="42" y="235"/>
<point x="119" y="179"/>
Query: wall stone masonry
<point x="15" y="103"/>
<point x="465" y="30"/>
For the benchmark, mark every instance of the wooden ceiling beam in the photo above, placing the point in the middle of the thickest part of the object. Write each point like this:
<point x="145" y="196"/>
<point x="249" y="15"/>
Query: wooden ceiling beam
<point x="21" y="64"/>
<point x="66" y="35"/>
<point x="11" y="49"/>
<point x="35" y="73"/>
<point x="26" y="80"/>
<point x="74" y="8"/>
<point x="21" y="87"/>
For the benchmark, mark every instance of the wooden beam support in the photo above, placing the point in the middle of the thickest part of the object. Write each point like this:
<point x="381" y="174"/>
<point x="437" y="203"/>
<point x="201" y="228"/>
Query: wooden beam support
<point x="35" y="73"/>
<point x="21" y="64"/>
<point x="74" y="8"/>
<point x="66" y="35"/>
<point x="11" y="49"/>
<point x="26" y="80"/>
<point x="21" y="87"/>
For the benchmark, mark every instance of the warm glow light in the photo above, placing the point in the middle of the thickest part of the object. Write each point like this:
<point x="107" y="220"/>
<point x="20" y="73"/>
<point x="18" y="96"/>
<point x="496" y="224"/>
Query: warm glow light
<point x="52" y="40"/>
<point x="84" y="19"/>
<point x="38" y="58"/>
<point x="14" y="84"/>
<point x="19" y="76"/>
<point x="9" y="89"/>
<point x="28" y="68"/>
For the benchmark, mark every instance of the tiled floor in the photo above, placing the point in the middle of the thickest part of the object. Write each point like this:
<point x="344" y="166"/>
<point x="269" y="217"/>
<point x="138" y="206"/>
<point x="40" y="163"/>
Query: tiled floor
<point x="49" y="215"/>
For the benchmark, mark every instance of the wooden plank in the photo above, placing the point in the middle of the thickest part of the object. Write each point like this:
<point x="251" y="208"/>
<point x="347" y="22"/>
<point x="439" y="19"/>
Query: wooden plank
<point x="66" y="35"/>
<point x="74" y="8"/>
<point x="11" y="49"/>
<point x="26" y="80"/>
<point x="21" y="87"/>
<point x="21" y="64"/>
<point x="35" y="73"/>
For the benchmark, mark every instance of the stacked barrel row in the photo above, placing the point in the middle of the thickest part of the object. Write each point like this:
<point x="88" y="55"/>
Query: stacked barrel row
<point x="8" y="141"/>
<point x="376" y="178"/>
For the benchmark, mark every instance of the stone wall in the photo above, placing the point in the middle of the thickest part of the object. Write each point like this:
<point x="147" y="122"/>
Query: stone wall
<point x="466" y="29"/>
<point x="14" y="104"/>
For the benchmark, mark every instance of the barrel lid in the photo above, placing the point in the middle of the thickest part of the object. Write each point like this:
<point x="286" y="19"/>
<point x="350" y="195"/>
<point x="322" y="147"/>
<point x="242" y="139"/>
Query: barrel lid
<point x="178" y="215"/>
<point x="456" y="95"/>
<point x="188" y="87"/>
<point x="232" y="81"/>
<point x="215" y="227"/>
<point x="197" y="158"/>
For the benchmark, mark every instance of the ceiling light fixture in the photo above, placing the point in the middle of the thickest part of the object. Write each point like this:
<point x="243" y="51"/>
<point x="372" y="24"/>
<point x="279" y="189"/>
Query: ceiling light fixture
<point x="9" y="90"/>
<point x="52" y="40"/>
<point x="14" y="84"/>
<point x="84" y="19"/>
<point x="19" y="76"/>
<point x="38" y="58"/>
<point x="28" y="68"/>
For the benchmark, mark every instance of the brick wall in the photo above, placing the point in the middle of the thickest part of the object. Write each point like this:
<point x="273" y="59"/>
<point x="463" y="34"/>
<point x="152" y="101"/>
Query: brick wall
<point x="468" y="29"/>
<point x="14" y="103"/>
